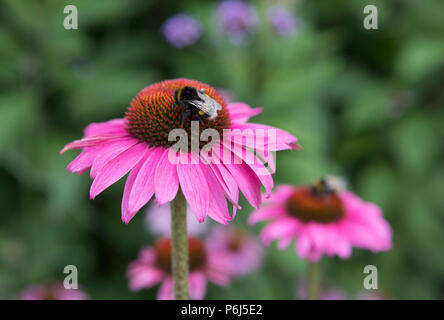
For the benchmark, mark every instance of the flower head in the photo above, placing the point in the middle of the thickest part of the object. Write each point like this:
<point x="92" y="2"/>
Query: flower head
<point x="154" y="266"/>
<point x="143" y="143"/>
<point x="181" y="30"/>
<point x="237" y="19"/>
<point x="242" y="251"/>
<point x="281" y="20"/>
<point x="322" y="221"/>
<point x="52" y="291"/>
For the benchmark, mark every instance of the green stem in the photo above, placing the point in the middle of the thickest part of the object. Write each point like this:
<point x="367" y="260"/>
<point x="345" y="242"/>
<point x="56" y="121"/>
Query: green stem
<point x="313" y="281"/>
<point x="179" y="246"/>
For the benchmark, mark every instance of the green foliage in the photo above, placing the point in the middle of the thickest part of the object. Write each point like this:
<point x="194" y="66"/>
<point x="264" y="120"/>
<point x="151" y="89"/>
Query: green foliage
<point x="367" y="105"/>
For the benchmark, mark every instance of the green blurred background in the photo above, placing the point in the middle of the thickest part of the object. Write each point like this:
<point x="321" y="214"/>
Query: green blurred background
<point x="365" y="104"/>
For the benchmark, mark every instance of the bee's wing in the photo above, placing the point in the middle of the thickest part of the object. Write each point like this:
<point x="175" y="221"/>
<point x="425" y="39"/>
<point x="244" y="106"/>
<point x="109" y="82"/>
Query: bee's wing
<point x="202" y="105"/>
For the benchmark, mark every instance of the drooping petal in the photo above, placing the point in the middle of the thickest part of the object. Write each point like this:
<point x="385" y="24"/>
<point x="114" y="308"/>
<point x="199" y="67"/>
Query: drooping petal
<point x="197" y="285"/>
<point x="265" y="137"/>
<point x="117" y="168"/>
<point x="166" y="290"/>
<point x="280" y="194"/>
<point x="166" y="182"/>
<point x="108" y="151"/>
<point x="281" y="228"/>
<point x="194" y="187"/>
<point x="85" y="143"/>
<point x="255" y="164"/>
<point x="266" y="213"/>
<point x="143" y="276"/>
<point x="241" y="112"/>
<point x="218" y="209"/>
<point x="112" y="127"/>
<point x="126" y="215"/>
<point x="83" y="161"/>
<point x="247" y="181"/>
<point x="225" y="180"/>
<point x="143" y="186"/>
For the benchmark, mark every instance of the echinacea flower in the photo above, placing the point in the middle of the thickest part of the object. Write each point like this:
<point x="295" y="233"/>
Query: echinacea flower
<point x="181" y="30"/>
<point x="242" y="251"/>
<point x="154" y="266"/>
<point x="158" y="221"/>
<point x="281" y="20"/>
<point x="139" y="144"/>
<point x="322" y="221"/>
<point x="52" y="291"/>
<point x="237" y="19"/>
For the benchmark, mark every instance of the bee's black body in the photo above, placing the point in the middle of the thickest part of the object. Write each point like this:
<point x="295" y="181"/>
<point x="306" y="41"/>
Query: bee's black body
<point x="183" y="98"/>
<point x="196" y="104"/>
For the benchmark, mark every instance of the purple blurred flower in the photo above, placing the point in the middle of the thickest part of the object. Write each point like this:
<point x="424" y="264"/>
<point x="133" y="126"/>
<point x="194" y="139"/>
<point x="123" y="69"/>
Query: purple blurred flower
<point x="237" y="19"/>
<point x="181" y="30"/>
<point x="281" y="20"/>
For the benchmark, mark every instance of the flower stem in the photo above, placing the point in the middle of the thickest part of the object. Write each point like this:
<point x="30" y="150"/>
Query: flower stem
<point x="313" y="281"/>
<point x="179" y="246"/>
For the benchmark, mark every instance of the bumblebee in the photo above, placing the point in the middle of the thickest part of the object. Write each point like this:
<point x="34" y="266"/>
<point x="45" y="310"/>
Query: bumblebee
<point x="328" y="185"/>
<point x="196" y="104"/>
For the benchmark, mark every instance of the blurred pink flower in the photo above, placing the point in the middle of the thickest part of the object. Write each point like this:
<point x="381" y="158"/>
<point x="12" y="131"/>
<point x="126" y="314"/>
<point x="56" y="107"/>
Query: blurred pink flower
<point x="133" y="144"/>
<point x="158" y="221"/>
<point x="154" y="266"/>
<point x="242" y="251"/>
<point x="52" y="291"/>
<point x="322" y="222"/>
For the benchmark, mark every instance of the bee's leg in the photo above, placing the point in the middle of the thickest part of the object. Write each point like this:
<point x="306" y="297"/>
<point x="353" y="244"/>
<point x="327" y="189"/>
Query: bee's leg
<point x="185" y="115"/>
<point x="200" y="120"/>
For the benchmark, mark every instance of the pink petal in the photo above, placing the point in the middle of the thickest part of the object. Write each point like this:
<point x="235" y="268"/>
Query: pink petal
<point x="197" y="285"/>
<point x="195" y="188"/>
<point x="241" y="112"/>
<point x="284" y="227"/>
<point x="225" y="180"/>
<point x="143" y="186"/>
<point x="83" y="161"/>
<point x="264" y="137"/>
<point x="166" y="290"/>
<point x="266" y="213"/>
<point x="166" y="182"/>
<point x="255" y="164"/>
<point x="117" y="168"/>
<point x="112" y="127"/>
<point x="218" y="209"/>
<point x="280" y="194"/>
<point x="85" y="142"/>
<point x="143" y="276"/>
<point x="247" y="181"/>
<point x="108" y="151"/>
<point x="303" y="244"/>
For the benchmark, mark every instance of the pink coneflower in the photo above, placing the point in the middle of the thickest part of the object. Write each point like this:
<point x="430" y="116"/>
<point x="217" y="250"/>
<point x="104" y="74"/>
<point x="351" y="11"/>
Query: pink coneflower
<point x="154" y="266"/>
<point x="52" y="291"/>
<point x="139" y="144"/>
<point x="322" y="221"/>
<point x="242" y="251"/>
<point x="158" y="221"/>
